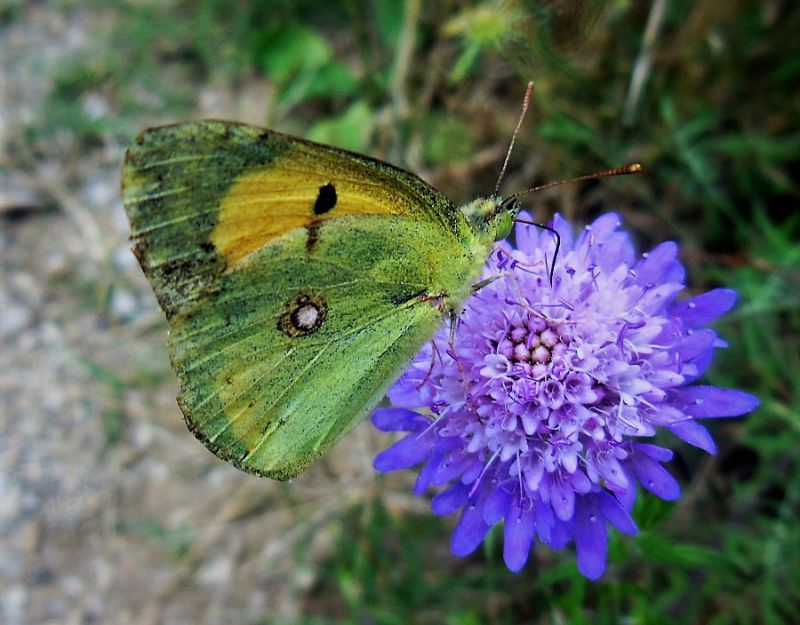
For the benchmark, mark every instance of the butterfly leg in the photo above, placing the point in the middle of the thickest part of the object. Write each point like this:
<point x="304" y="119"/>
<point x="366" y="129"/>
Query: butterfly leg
<point x="487" y="281"/>
<point x="453" y="353"/>
<point x="434" y="354"/>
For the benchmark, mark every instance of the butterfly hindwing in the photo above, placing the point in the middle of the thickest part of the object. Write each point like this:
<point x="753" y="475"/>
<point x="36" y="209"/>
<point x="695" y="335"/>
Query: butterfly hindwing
<point x="293" y="351"/>
<point x="298" y="281"/>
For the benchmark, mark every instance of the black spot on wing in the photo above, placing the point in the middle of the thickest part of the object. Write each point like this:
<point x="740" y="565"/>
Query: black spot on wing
<point x="326" y="199"/>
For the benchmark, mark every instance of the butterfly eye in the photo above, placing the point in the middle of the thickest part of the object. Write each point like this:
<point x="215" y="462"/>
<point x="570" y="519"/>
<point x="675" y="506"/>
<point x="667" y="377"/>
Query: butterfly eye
<point x="503" y="224"/>
<point x="504" y="220"/>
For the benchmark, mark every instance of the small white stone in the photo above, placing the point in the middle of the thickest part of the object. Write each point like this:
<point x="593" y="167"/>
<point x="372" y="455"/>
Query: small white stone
<point x="123" y="304"/>
<point x="13" y="604"/>
<point x="14" y="317"/>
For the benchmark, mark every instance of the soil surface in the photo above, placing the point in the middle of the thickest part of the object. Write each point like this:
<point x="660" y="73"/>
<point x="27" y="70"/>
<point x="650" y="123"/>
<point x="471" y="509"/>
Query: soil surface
<point x="110" y="511"/>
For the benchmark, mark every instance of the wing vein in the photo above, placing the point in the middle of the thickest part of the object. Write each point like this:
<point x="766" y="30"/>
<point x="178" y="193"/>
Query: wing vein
<point x="233" y="420"/>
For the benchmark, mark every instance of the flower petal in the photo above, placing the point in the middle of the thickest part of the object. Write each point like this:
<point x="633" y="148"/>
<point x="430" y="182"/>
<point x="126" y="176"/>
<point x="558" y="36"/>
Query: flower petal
<point x="708" y="402"/>
<point x="406" y="391"/>
<point x="614" y="513"/>
<point x="694" y="434"/>
<point x="654" y="300"/>
<point x="496" y="505"/>
<point x="654" y="477"/>
<point x="563" y="501"/>
<point x="469" y="531"/>
<point x="602" y="227"/>
<point x="656" y="263"/>
<point x="696" y="343"/>
<point x="662" y="454"/>
<point x="615" y="251"/>
<point x="700" y="363"/>
<point x="424" y="477"/>
<point x="450" y="500"/>
<point x="564" y="229"/>
<point x="518" y="536"/>
<point x="703" y="309"/>
<point x="404" y="454"/>
<point x="591" y="538"/>
<point x="560" y="535"/>
<point x="399" y="420"/>
<point x="674" y="272"/>
<point x="627" y="496"/>
<point x="527" y="235"/>
<point x="544" y="520"/>
<point x="453" y="464"/>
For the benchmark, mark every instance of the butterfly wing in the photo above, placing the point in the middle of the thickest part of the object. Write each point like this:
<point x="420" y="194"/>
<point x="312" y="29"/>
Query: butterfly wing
<point x="298" y="280"/>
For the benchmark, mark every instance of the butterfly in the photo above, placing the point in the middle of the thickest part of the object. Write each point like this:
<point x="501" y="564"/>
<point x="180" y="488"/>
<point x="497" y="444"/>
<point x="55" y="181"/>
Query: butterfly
<point x="298" y="279"/>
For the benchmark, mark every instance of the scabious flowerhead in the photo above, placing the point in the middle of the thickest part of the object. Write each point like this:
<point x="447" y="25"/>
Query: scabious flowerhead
<point x="538" y="411"/>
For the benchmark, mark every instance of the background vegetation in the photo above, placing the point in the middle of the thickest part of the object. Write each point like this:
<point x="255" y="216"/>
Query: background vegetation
<point x="112" y="513"/>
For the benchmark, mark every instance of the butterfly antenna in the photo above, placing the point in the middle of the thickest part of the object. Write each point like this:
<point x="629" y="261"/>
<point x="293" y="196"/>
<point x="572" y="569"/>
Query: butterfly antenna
<point x="525" y="102"/>
<point x="619" y="171"/>
<point x="633" y="168"/>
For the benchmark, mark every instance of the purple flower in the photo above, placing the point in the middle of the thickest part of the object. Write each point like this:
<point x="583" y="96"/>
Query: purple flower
<point x="538" y="412"/>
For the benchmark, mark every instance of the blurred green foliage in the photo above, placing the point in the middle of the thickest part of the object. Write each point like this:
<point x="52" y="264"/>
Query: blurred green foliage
<point x="432" y="86"/>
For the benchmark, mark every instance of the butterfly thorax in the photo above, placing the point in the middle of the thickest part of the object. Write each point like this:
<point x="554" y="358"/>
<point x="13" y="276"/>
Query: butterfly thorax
<point x="489" y="220"/>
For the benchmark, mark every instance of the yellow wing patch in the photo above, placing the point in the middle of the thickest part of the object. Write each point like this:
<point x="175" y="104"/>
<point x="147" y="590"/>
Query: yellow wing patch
<point x="296" y="190"/>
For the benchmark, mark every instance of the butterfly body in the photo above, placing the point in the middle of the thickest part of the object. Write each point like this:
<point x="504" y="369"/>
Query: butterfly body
<point x="298" y="280"/>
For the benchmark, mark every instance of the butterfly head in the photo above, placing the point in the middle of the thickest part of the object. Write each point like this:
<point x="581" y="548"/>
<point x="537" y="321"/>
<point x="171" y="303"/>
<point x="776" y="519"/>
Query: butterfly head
<point x="493" y="216"/>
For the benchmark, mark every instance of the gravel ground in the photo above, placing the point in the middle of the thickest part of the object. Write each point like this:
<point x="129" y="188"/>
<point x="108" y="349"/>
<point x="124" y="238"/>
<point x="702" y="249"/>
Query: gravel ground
<point x="110" y="511"/>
